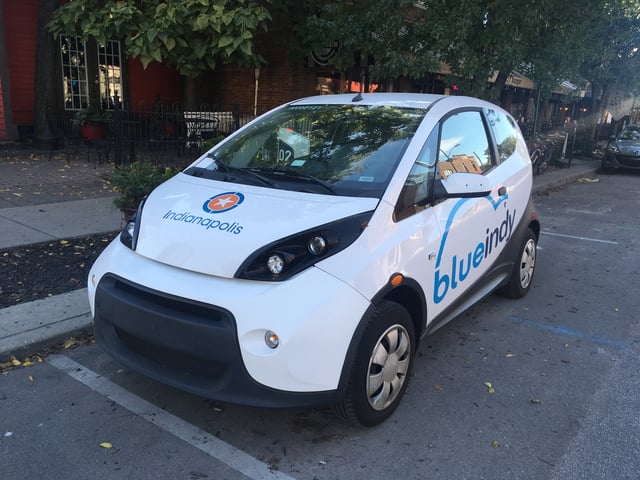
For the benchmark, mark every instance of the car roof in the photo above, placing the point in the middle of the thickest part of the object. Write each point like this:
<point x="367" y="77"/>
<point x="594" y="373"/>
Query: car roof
<point x="415" y="100"/>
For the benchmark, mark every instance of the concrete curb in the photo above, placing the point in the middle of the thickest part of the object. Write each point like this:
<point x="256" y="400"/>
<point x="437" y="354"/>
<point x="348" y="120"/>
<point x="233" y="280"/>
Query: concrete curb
<point x="562" y="180"/>
<point x="33" y="326"/>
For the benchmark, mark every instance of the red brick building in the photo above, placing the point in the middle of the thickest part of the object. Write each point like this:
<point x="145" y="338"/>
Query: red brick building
<point x="81" y="68"/>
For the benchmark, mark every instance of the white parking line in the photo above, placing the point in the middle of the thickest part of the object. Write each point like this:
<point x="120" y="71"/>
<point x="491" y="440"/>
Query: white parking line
<point x="209" y="444"/>
<point x="610" y="242"/>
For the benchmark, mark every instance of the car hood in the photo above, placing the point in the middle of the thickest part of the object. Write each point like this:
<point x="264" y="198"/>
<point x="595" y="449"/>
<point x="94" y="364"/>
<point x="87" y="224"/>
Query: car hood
<point x="628" y="147"/>
<point x="211" y="227"/>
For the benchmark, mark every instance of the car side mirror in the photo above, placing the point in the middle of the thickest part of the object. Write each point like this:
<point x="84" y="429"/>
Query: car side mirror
<point x="466" y="185"/>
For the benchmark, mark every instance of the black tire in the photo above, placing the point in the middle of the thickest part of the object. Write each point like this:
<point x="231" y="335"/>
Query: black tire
<point x="606" y="166"/>
<point x="381" y="369"/>
<point x="535" y="159"/>
<point x="548" y="154"/>
<point x="522" y="275"/>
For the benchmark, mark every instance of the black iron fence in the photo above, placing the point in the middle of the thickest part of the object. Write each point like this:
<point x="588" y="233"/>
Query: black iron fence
<point x="162" y="136"/>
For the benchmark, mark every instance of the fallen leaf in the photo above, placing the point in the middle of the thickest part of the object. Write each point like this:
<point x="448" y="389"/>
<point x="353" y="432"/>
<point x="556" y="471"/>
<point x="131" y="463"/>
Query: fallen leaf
<point x="495" y="444"/>
<point x="30" y="378"/>
<point x="15" y="362"/>
<point x="489" y="387"/>
<point x="70" y="342"/>
<point x="509" y="355"/>
<point x="106" y="445"/>
<point x="437" y="387"/>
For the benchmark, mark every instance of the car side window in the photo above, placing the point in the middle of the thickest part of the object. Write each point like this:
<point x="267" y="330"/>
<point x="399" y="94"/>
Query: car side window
<point x="504" y="131"/>
<point x="464" y="145"/>
<point x="417" y="191"/>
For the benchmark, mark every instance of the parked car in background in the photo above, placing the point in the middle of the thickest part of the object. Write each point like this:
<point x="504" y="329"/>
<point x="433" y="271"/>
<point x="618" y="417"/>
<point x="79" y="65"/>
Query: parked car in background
<point x="623" y="150"/>
<point x="300" y="261"/>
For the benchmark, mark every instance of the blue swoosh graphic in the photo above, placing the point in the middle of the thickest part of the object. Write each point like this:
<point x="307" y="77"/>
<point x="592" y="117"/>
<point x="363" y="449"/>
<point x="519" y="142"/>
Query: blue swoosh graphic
<point x="452" y="215"/>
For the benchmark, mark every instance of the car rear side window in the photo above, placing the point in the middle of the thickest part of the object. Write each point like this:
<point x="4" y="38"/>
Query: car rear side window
<point x="504" y="130"/>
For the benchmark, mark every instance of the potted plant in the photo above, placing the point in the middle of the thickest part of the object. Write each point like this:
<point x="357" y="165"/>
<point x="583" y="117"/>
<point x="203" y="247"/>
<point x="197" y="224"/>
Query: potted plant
<point x="135" y="181"/>
<point x="92" y="122"/>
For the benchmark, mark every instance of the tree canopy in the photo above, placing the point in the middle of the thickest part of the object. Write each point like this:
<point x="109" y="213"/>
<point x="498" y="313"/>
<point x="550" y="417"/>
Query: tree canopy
<point x="594" y="41"/>
<point x="192" y="35"/>
<point x="555" y="39"/>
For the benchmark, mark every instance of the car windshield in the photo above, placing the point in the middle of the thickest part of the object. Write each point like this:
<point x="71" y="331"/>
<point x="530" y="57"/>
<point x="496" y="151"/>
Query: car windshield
<point x="631" y="132"/>
<point x="348" y="150"/>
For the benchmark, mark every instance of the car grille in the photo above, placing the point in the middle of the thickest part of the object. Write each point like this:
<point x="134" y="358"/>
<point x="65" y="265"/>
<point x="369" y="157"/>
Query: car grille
<point x="628" y="160"/>
<point x="180" y="363"/>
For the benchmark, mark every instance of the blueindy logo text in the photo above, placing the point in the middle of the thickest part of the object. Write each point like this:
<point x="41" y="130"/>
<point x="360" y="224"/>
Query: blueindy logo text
<point x="449" y="276"/>
<point x="204" y="222"/>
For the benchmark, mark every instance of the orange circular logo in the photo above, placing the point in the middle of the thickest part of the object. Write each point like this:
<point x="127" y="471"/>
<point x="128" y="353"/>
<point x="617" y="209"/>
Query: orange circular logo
<point x="223" y="202"/>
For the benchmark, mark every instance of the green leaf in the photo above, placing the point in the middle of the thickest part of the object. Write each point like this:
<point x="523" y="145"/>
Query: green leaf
<point x="199" y="50"/>
<point x="157" y="55"/>
<point x="145" y="60"/>
<point x="246" y="48"/>
<point x="224" y="41"/>
<point x="201" y="23"/>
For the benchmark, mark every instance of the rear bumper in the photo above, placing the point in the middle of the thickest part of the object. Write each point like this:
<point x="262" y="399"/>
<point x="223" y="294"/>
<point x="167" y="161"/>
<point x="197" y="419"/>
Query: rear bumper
<point x="184" y="343"/>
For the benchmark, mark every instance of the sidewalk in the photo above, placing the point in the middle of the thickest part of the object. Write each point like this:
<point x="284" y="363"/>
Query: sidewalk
<point x="42" y="200"/>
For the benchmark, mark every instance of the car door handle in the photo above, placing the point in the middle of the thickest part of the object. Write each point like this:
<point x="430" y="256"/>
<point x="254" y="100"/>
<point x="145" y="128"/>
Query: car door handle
<point x="502" y="191"/>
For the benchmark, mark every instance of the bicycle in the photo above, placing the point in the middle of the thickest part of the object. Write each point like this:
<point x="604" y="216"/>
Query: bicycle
<point x="540" y="154"/>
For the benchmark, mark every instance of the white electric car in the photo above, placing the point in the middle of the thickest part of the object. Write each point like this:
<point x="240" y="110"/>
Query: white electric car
<point x="300" y="261"/>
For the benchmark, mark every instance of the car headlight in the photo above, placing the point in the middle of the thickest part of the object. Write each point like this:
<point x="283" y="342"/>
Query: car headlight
<point x="284" y="258"/>
<point x="129" y="234"/>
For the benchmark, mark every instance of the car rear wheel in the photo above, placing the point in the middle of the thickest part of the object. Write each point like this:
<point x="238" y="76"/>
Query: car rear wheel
<point x="522" y="274"/>
<point x="380" y="372"/>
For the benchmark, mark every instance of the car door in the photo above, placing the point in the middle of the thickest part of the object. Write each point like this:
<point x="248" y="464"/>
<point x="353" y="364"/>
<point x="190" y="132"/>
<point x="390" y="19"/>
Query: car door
<point x="470" y="231"/>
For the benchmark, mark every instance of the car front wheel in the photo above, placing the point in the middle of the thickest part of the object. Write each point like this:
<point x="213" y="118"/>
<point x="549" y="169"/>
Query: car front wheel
<point x="606" y="165"/>
<point x="381" y="368"/>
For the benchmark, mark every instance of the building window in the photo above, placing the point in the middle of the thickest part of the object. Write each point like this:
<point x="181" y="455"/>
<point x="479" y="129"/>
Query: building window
<point x="74" y="73"/>
<point x="110" y="74"/>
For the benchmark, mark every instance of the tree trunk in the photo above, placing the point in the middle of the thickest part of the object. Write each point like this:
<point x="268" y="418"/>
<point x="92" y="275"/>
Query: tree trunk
<point x="496" y="92"/>
<point x="45" y="87"/>
<point x="190" y="93"/>
<point x="592" y="129"/>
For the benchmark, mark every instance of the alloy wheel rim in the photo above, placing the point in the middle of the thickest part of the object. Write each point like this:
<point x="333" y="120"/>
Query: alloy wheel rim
<point x="388" y="367"/>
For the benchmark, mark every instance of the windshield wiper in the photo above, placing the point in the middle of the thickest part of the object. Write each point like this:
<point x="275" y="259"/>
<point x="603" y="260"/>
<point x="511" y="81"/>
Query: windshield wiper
<point x="286" y="172"/>
<point x="224" y="168"/>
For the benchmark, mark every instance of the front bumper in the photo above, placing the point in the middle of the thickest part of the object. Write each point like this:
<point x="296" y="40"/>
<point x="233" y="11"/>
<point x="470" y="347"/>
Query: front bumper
<point x="205" y="335"/>
<point x="620" y="160"/>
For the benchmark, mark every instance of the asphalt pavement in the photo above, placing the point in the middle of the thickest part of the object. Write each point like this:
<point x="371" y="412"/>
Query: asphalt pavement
<point x="44" y="199"/>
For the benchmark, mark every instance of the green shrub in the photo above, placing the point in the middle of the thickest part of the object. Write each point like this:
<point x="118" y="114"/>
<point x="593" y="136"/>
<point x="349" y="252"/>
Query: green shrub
<point x="135" y="181"/>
